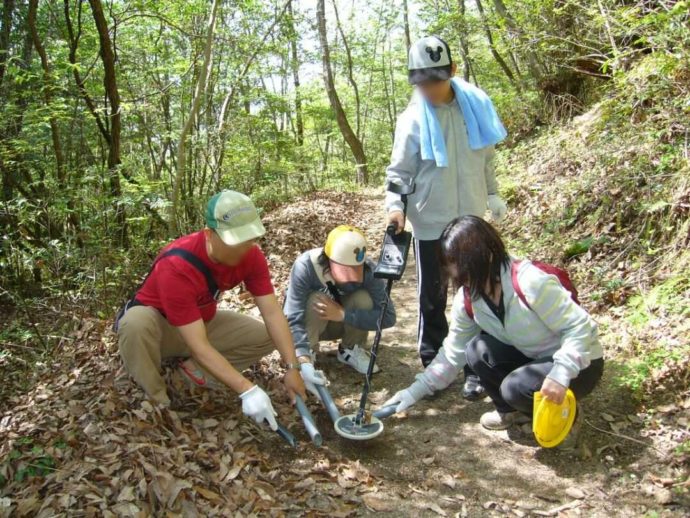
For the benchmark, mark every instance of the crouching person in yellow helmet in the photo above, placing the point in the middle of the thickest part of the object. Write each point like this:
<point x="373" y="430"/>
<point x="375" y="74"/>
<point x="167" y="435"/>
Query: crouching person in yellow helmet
<point x="332" y="294"/>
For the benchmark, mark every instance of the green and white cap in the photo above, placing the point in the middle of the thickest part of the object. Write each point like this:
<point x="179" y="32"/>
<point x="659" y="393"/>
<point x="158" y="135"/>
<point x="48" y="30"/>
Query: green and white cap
<point x="234" y="217"/>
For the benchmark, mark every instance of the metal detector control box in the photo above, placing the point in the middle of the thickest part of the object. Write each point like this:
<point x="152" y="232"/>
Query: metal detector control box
<point x="394" y="252"/>
<point x="396" y="247"/>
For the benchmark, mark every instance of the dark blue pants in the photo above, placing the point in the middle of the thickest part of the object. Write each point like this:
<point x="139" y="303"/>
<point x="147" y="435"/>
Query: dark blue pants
<point x="432" y="289"/>
<point x="510" y="378"/>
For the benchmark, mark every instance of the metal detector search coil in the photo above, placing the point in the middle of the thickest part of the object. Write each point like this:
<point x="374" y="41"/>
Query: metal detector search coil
<point x="348" y="427"/>
<point x="363" y="426"/>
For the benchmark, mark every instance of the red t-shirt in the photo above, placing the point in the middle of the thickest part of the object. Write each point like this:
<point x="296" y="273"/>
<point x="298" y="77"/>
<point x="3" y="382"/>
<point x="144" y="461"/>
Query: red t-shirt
<point x="179" y="291"/>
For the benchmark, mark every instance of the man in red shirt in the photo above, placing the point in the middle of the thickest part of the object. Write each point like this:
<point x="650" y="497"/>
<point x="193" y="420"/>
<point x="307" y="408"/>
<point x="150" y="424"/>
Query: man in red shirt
<point x="174" y="313"/>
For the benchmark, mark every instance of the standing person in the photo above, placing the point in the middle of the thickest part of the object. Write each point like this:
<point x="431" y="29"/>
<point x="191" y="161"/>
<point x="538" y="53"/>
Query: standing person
<point x="333" y="294"/>
<point x="515" y="323"/>
<point x="174" y="313"/>
<point x="444" y="142"/>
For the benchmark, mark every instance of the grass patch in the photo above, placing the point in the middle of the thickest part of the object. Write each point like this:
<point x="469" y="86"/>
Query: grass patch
<point x="671" y="298"/>
<point x="636" y="373"/>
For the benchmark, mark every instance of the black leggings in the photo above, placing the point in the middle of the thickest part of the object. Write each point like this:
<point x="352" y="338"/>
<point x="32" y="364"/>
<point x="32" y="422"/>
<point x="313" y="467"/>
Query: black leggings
<point x="433" y="296"/>
<point x="510" y="378"/>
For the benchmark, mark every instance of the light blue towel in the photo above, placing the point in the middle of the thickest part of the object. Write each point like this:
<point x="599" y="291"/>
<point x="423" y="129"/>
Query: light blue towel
<point x="484" y="127"/>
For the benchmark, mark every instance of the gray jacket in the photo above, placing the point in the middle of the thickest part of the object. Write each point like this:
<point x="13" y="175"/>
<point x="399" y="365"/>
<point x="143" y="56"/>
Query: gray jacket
<point x="443" y="193"/>
<point x="307" y="277"/>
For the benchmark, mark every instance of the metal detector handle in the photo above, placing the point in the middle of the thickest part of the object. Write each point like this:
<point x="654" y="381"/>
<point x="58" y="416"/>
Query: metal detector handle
<point x="308" y="421"/>
<point x="286" y="435"/>
<point x="328" y="402"/>
<point x="385" y="411"/>
<point x="402" y="189"/>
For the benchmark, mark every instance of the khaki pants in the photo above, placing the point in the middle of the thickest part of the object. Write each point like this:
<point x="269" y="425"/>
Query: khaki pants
<point x="146" y="337"/>
<point x="318" y="329"/>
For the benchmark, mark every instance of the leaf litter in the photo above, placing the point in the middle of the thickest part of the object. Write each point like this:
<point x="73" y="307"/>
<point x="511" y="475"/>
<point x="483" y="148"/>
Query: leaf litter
<point x="85" y="438"/>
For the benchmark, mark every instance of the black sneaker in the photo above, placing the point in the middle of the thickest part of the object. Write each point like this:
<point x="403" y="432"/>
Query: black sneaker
<point x="472" y="390"/>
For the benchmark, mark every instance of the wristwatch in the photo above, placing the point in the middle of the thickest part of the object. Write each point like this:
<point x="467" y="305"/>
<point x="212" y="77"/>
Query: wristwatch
<point x="297" y="366"/>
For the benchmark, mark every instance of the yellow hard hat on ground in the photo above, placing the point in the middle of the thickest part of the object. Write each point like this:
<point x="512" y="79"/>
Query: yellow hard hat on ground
<point x="551" y="423"/>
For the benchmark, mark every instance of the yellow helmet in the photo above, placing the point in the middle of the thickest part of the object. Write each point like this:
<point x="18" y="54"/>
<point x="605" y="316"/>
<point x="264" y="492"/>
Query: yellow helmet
<point x="346" y="245"/>
<point x="551" y="423"/>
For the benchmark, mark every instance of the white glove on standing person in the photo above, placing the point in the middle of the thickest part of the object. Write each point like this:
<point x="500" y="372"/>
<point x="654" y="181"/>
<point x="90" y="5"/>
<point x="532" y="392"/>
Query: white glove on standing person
<point x="257" y="405"/>
<point x="312" y="377"/>
<point x="409" y="396"/>
<point x="497" y="207"/>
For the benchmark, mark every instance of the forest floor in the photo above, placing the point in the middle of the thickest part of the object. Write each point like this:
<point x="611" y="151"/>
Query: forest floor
<point x="84" y="441"/>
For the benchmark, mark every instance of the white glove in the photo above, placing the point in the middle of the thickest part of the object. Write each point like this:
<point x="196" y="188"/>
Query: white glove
<point x="257" y="405"/>
<point x="312" y="377"/>
<point x="409" y="396"/>
<point x="497" y="207"/>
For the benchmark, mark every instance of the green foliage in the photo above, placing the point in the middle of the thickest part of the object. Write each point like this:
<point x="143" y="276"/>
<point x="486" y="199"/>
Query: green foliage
<point x="28" y="459"/>
<point x="670" y="297"/>
<point x="60" y="230"/>
<point x="638" y="371"/>
<point x="579" y="247"/>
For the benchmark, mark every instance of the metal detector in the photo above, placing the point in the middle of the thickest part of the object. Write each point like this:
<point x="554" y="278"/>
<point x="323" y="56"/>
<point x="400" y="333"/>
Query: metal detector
<point x="391" y="266"/>
<point x="308" y="422"/>
<point x="286" y="435"/>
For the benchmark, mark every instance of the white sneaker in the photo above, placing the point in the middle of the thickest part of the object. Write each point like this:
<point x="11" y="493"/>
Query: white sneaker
<point x="496" y="420"/>
<point x="357" y="358"/>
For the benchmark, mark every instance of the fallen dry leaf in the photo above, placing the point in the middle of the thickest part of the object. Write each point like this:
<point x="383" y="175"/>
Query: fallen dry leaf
<point x="575" y="492"/>
<point x="208" y="494"/>
<point x="377" y="503"/>
<point x="437" y="509"/>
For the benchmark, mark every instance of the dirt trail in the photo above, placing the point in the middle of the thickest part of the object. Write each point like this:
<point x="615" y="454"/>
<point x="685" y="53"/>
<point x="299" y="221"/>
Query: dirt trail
<point x="438" y="459"/>
<point x="84" y="441"/>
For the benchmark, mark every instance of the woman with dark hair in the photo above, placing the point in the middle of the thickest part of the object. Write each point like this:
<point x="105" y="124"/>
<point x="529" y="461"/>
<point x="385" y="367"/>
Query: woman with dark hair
<point x="514" y="324"/>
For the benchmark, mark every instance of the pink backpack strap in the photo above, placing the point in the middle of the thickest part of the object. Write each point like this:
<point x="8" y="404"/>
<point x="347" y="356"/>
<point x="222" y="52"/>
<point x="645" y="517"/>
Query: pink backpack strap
<point x="514" y="275"/>
<point x="468" y="303"/>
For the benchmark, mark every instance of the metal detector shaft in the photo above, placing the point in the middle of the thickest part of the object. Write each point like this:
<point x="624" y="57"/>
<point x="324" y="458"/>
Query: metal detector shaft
<point x="328" y="402"/>
<point x="384" y="412"/>
<point x="287" y="436"/>
<point x="308" y="421"/>
<point x="372" y="360"/>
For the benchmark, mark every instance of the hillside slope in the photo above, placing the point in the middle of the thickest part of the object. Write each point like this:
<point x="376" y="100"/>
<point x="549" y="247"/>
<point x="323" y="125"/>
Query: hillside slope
<point x="608" y="196"/>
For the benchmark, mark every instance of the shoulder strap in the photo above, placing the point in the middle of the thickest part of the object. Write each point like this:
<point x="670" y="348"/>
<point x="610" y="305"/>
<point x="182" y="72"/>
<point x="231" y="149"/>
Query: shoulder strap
<point x="333" y="290"/>
<point x="196" y="263"/>
<point x="468" y="303"/>
<point x="324" y="277"/>
<point x="514" y="275"/>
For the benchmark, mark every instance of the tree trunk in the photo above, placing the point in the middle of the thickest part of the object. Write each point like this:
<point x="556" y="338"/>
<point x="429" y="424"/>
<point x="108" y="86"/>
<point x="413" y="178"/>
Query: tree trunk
<point x="406" y="26"/>
<point x="494" y="50"/>
<point x="110" y="84"/>
<point x="352" y="140"/>
<point x="350" y="73"/>
<point x="189" y="123"/>
<point x="294" y="63"/>
<point x="225" y="108"/>
<point x="517" y="32"/>
<point x="73" y="41"/>
<point x="7" y="10"/>
<point x="47" y="90"/>
<point x="464" y="44"/>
